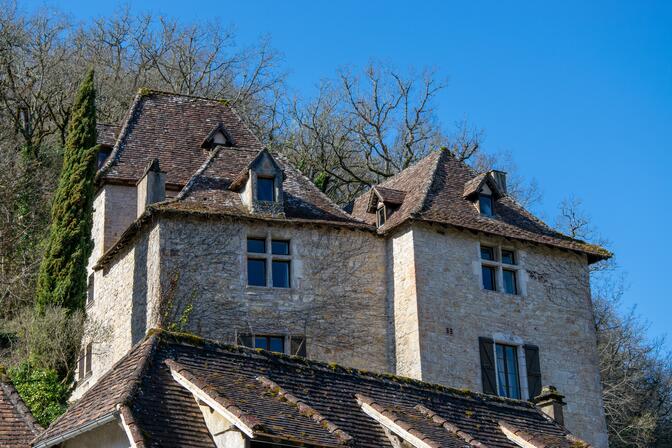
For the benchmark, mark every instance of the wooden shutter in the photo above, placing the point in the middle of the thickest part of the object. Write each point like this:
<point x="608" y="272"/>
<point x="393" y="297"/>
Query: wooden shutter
<point x="533" y="370"/>
<point x="486" y="348"/>
<point x="298" y="346"/>
<point x="89" y="357"/>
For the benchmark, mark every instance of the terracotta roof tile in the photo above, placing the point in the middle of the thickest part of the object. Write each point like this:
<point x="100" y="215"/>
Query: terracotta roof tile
<point x="17" y="425"/>
<point x="291" y="399"/>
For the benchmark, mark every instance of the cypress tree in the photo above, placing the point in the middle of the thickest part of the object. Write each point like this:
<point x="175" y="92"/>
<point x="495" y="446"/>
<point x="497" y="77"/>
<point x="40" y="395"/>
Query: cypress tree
<point x="62" y="277"/>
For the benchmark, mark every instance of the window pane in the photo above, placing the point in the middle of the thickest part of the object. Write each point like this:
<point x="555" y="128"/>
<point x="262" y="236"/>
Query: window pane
<point x="489" y="278"/>
<point x="510" y="285"/>
<point x="281" y="274"/>
<point x="277" y="344"/>
<point x="501" y="373"/>
<point x="508" y="257"/>
<point x="261" y="342"/>
<point x="382" y="215"/>
<point x="487" y="253"/>
<point x="103" y="154"/>
<point x="256" y="245"/>
<point x="280" y="247"/>
<point x="512" y="371"/>
<point x="265" y="189"/>
<point x="256" y="272"/>
<point x="485" y="204"/>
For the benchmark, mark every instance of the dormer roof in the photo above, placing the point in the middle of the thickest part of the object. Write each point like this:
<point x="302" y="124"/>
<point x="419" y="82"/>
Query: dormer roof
<point x="218" y="136"/>
<point x="242" y="177"/>
<point x="387" y="196"/>
<point x="474" y="186"/>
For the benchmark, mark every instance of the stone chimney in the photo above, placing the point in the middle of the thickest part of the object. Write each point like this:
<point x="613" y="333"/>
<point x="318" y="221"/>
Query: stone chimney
<point x="500" y="180"/>
<point x="151" y="187"/>
<point x="550" y="402"/>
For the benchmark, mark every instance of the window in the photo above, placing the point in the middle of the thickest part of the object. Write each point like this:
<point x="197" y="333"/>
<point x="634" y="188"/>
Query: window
<point x="256" y="272"/>
<point x="489" y="278"/>
<point x="265" y="189"/>
<point x="508" y="380"/>
<point x="89" y="290"/>
<point x="270" y="343"/>
<point x="381" y="216"/>
<point x="261" y="263"/>
<point x="485" y="204"/>
<point x="281" y="274"/>
<point x="499" y="270"/>
<point x="289" y="345"/>
<point x="510" y="283"/>
<point x="85" y="360"/>
<point x="103" y="154"/>
<point x="508" y="257"/>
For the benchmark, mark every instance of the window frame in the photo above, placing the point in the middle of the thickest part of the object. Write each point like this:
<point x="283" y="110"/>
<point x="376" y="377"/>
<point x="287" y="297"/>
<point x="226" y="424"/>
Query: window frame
<point x="492" y="269"/>
<point x="381" y="216"/>
<point x="289" y="342"/>
<point x="270" y="258"/>
<point x="516" y="362"/>
<point x="258" y="188"/>
<point x="500" y="267"/>
<point x="490" y="200"/>
<point x="90" y="289"/>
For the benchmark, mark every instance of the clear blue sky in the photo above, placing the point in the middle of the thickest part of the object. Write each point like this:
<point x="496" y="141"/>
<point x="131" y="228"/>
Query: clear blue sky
<point x="580" y="92"/>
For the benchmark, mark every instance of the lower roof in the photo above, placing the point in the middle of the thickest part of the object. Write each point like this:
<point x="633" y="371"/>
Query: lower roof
<point x="290" y="400"/>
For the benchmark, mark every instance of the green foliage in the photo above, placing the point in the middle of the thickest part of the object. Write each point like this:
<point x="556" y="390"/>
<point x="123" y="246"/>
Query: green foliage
<point x="62" y="277"/>
<point x="42" y="391"/>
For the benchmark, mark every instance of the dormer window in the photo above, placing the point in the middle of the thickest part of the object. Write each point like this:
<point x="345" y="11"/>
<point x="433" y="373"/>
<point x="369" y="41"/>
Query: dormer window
<point x="381" y="215"/>
<point x="485" y="204"/>
<point x="266" y="189"/>
<point x="103" y="154"/>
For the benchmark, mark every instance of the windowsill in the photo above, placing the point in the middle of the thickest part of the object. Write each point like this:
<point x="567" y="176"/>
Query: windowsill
<point x="502" y="293"/>
<point x="268" y="288"/>
<point x="85" y="378"/>
<point x="89" y="305"/>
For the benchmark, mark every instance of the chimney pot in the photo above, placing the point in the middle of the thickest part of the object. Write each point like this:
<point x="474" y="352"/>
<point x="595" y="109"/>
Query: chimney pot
<point x="151" y="187"/>
<point x="551" y="402"/>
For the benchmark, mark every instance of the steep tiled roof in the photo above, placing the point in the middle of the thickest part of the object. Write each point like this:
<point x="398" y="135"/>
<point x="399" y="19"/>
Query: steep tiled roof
<point x="107" y="134"/>
<point x="435" y="188"/>
<point x="17" y="425"/>
<point x="209" y="190"/>
<point x="280" y="398"/>
<point x="172" y="128"/>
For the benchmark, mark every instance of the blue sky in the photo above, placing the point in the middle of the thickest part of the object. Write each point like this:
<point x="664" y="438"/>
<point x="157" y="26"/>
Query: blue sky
<point x="579" y="92"/>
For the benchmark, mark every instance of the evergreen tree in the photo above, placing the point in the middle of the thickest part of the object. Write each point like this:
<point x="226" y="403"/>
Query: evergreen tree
<point x="62" y="276"/>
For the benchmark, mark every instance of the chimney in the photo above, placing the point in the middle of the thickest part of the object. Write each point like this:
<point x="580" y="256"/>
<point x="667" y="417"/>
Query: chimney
<point x="550" y="402"/>
<point x="500" y="180"/>
<point x="151" y="187"/>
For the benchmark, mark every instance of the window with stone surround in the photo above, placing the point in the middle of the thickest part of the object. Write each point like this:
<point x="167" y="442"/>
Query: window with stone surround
<point x="508" y="378"/>
<point x="499" y="269"/>
<point x="84" y="365"/>
<point x="289" y="345"/>
<point x="90" y="290"/>
<point x="269" y="262"/>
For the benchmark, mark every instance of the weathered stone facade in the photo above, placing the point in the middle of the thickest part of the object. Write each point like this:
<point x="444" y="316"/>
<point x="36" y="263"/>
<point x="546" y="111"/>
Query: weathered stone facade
<point x="446" y="299"/>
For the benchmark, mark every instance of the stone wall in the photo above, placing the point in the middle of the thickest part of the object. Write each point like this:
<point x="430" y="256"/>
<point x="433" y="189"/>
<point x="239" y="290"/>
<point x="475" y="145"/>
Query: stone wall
<point x="119" y="310"/>
<point x="553" y="312"/>
<point x="337" y="298"/>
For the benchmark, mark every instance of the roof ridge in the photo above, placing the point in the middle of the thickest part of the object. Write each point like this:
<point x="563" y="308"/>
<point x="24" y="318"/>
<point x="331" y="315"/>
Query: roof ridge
<point x="320" y="193"/>
<point x="306" y="410"/>
<point x="448" y="426"/>
<point x="204" y="166"/>
<point x="420" y="206"/>
<point x="20" y="406"/>
<point x="123" y="134"/>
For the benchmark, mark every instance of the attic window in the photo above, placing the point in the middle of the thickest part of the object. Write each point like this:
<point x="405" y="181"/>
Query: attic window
<point x="381" y="215"/>
<point x="485" y="204"/>
<point x="217" y="136"/>
<point x="103" y="154"/>
<point x="266" y="189"/>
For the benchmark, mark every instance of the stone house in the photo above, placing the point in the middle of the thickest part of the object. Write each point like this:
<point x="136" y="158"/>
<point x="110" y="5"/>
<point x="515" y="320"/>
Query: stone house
<point x="436" y="274"/>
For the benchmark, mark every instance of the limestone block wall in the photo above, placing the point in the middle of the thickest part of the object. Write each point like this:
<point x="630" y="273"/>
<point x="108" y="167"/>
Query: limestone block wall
<point x="553" y="312"/>
<point x="337" y="298"/>
<point x="119" y="210"/>
<point x="119" y="310"/>
<point x="402" y="286"/>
